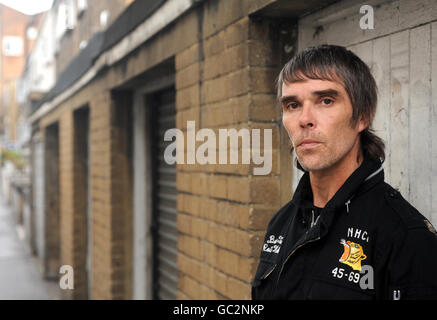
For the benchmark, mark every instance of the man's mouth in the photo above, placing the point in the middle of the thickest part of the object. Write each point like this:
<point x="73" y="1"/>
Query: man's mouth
<point x="309" y="143"/>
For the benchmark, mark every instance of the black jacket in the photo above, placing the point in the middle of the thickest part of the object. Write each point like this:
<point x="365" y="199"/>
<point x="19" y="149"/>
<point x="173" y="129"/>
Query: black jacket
<point x="368" y="243"/>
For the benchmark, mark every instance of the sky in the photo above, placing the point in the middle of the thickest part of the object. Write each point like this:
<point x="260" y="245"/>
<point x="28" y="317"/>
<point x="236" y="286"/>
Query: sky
<point x="29" y="7"/>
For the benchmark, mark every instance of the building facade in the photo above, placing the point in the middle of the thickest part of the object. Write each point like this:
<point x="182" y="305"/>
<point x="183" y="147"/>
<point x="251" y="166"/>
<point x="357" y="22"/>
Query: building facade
<point x="134" y="225"/>
<point x="77" y="22"/>
<point x="15" y="45"/>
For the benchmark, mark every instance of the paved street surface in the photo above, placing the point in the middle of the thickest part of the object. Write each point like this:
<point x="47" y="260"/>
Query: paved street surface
<point x="19" y="274"/>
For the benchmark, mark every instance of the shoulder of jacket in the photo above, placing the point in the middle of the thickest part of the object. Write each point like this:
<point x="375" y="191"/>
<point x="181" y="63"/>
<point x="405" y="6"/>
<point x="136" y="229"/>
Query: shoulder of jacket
<point x="408" y="216"/>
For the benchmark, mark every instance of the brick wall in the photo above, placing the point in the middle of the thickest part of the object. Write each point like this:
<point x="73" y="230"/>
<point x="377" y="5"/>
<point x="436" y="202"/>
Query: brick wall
<point x="226" y="80"/>
<point x="66" y="193"/>
<point x="73" y="198"/>
<point x="110" y="173"/>
<point x="111" y="183"/>
<point x="225" y="64"/>
<point x="100" y="149"/>
<point x="12" y="23"/>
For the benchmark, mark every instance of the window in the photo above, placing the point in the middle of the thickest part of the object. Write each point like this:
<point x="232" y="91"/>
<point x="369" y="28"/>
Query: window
<point x="81" y="6"/>
<point x="32" y="33"/>
<point x="66" y="19"/>
<point x="12" y="46"/>
<point x="70" y="15"/>
<point x="61" y="20"/>
<point x="104" y="17"/>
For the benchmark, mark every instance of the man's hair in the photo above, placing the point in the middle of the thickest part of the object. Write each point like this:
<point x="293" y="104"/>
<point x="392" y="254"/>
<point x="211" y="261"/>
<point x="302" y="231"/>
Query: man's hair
<point x="336" y="63"/>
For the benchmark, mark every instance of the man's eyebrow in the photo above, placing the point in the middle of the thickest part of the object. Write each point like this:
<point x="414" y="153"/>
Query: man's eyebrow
<point x="327" y="92"/>
<point x="287" y="98"/>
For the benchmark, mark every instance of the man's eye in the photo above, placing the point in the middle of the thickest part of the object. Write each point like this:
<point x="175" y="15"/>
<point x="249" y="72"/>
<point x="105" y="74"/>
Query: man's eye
<point x="327" y="101"/>
<point x="292" y="105"/>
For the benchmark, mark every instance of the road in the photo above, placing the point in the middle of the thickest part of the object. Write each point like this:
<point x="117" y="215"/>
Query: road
<point x="20" y="278"/>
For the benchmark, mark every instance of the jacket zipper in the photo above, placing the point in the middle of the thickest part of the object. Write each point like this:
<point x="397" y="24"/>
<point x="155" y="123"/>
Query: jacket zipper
<point x="266" y="275"/>
<point x="292" y="252"/>
<point x="288" y="257"/>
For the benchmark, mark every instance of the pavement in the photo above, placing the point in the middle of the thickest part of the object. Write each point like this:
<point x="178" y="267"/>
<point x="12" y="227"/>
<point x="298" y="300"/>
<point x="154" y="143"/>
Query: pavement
<point x="20" y="277"/>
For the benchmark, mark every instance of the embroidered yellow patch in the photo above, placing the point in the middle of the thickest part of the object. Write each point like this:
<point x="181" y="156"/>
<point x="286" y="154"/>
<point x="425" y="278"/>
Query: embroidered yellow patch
<point x="352" y="255"/>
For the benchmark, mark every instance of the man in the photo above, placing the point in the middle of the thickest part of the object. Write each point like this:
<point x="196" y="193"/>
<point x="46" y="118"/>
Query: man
<point x="346" y="234"/>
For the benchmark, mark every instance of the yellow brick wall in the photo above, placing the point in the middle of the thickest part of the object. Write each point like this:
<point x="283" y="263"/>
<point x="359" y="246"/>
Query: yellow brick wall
<point x="66" y="175"/>
<point x="101" y="192"/>
<point x="225" y="66"/>
<point x="226" y="80"/>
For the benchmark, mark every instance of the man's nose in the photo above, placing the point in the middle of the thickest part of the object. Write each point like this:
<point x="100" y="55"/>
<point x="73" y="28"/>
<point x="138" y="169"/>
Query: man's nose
<point x="306" y="118"/>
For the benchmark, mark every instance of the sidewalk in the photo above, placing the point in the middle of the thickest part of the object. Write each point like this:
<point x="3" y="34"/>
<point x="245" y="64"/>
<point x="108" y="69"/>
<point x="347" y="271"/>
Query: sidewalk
<point x="19" y="274"/>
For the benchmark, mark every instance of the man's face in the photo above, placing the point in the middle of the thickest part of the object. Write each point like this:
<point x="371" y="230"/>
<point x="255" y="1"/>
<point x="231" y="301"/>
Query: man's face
<point x="317" y="116"/>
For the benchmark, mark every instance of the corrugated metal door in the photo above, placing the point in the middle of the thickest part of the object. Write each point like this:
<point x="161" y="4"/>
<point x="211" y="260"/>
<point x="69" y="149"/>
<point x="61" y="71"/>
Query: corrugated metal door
<point x="165" y="234"/>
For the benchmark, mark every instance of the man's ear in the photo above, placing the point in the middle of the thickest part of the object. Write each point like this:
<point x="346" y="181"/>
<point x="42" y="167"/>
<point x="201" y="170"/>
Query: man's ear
<point x="364" y="122"/>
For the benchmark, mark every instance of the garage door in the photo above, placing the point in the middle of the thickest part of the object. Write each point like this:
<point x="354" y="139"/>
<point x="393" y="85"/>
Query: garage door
<point x="164" y="227"/>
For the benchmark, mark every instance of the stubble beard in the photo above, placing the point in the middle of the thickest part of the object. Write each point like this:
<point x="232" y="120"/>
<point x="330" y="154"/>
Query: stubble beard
<point x="324" y="159"/>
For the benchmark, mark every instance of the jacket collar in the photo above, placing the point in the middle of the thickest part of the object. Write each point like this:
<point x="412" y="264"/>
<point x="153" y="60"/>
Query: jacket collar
<point x="363" y="178"/>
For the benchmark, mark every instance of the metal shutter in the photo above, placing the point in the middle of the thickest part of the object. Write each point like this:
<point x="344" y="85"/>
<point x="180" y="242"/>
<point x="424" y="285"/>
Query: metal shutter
<point x="165" y="234"/>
